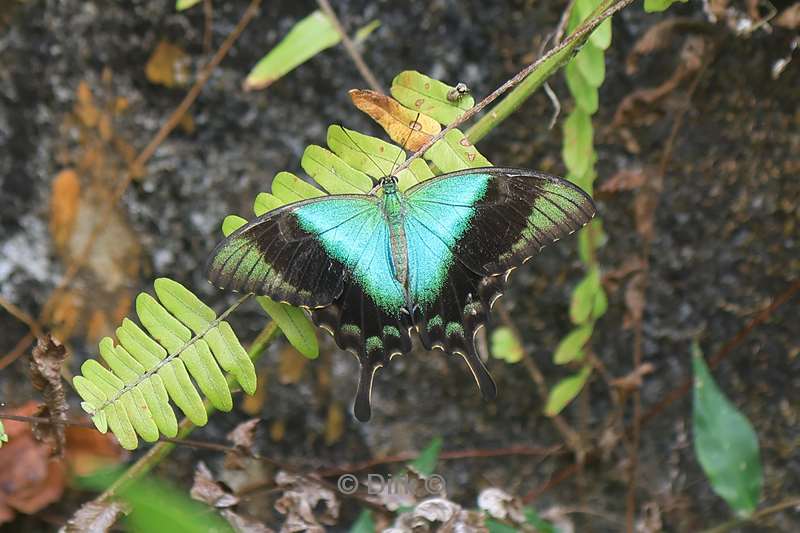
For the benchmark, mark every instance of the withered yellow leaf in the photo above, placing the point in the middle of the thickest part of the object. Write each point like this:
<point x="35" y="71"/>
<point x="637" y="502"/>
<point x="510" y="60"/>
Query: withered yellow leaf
<point x="168" y="66"/>
<point x="404" y="126"/>
<point x="64" y="202"/>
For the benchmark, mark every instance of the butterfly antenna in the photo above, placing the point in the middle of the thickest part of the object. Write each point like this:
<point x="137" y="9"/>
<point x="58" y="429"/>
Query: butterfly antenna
<point x="380" y="170"/>
<point x="402" y="152"/>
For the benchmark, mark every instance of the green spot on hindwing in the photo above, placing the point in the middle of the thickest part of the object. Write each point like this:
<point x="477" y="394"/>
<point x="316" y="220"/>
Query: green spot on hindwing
<point x="435" y="322"/>
<point x="374" y="343"/>
<point x="454" y="328"/>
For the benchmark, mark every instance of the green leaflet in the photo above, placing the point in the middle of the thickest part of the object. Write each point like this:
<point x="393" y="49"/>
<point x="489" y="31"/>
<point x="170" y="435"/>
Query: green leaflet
<point x="429" y="96"/>
<point x="3" y="435"/>
<point x="368" y="154"/>
<point x="184" y="341"/>
<point x="264" y="202"/>
<point x="330" y="171"/>
<point x="455" y="152"/>
<point x="307" y="38"/>
<point x="495" y="526"/>
<point x="541" y="525"/>
<point x="180" y="5"/>
<point x="652" y="6"/>
<point x="585" y="95"/>
<point x="294" y="323"/>
<point x="724" y="441"/>
<point x="425" y="463"/>
<point x="364" y="523"/>
<point x="505" y="345"/>
<point x="589" y="300"/>
<point x="565" y="391"/>
<point x="578" y="147"/>
<point x="288" y="188"/>
<point x="591" y="63"/>
<point x="571" y="347"/>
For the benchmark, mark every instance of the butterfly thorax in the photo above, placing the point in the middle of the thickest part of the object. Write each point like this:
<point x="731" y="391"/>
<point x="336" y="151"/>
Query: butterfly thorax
<point x="394" y="211"/>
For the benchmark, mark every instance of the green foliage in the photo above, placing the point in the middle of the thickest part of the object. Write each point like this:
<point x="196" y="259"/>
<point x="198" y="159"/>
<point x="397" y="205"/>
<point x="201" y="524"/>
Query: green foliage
<point x="652" y="6"/>
<point x="307" y="38"/>
<point x="348" y="165"/>
<point x="3" y="434"/>
<point x="725" y="442"/>
<point x="184" y="341"/>
<point x="425" y="463"/>
<point x="181" y="5"/>
<point x="566" y="390"/>
<point x="584" y="74"/>
<point x="505" y="345"/>
<point x="495" y="526"/>
<point x="429" y="96"/>
<point x="364" y="523"/>
<point x="541" y="525"/>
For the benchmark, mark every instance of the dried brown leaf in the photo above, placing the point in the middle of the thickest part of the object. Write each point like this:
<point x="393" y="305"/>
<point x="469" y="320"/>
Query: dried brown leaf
<point x="95" y="517"/>
<point x="243" y="435"/>
<point x="168" y="66"/>
<point x="31" y="480"/>
<point x="634" y="301"/>
<point x="658" y="37"/>
<point x="789" y="18"/>
<point x="300" y="499"/>
<point x="241" y="524"/>
<point x="500" y="504"/>
<point x="405" y="127"/>
<point x="64" y="202"/>
<point x="45" y="370"/>
<point x="205" y="489"/>
<point x="440" y="515"/>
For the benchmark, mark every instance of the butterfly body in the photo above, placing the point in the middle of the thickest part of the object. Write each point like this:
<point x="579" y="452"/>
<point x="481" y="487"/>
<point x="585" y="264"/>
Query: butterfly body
<point x="372" y="268"/>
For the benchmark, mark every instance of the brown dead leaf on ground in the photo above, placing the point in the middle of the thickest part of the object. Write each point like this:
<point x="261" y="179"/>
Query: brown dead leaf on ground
<point x="660" y="36"/>
<point x="634" y="301"/>
<point x="405" y="127"/>
<point x="633" y="380"/>
<point x="243" y="438"/>
<point x="306" y="505"/>
<point x="95" y="517"/>
<point x="168" y="66"/>
<point x="205" y="489"/>
<point x="64" y="206"/>
<point x="612" y="278"/>
<point x="789" y="18"/>
<point x="45" y="370"/>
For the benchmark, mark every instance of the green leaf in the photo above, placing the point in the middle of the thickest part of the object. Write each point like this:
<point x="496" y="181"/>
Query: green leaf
<point x="425" y="463"/>
<point x="577" y="150"/>
<point x="184" y="305"/>
<point x="417" y="172"/>
<point x="571" y="347"/>
<point x="429" y="96"/>
<point x="652" y="6"/>
<point x="495" y="526"/>
<point x="565" y="391"/>
<point x="332" y="173"/>
<point x="368" y="154"/>
<point x="505" y="345"/>
<point x="156" y="506"/>
<point x="725" y="442"/>
<point x="364" y="523"/>
<point x="289" y="188"/>
<point x="231" y="223"/>
<point x="3" y="434"/>
<point x="266" y="202"/>
<point x="592" y="64"/>
<point x="180" y="5"/>
<point x="294" y="323"/>
<point x="593" y="229"/>
<point x="365" y="31"/>
<point x="601" y="36"/>
<point x="455" y="152"/>
<point x="584" y="297"/>
<point x="541" y="525"/>
<point x="585" y="95"/>
<point x="600" y="305"/>
<point x="307" y="38"/>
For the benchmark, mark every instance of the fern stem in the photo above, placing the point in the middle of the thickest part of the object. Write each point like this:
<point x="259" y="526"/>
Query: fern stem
<point x="169" y="358"/>
<point x="163" y="448"/>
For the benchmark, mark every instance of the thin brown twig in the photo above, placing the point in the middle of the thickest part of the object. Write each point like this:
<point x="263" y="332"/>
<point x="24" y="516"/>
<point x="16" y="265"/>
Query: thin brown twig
<point x="16" y="352"/>
<point x="787" y="503"/>
<point x="47" y="420"/>
<point x="208" y="18"/>
<point x="171" y="123"/>
<point x="352" y="49"/>
<point x="22" y="316"/>
<point x="580" y="33"/>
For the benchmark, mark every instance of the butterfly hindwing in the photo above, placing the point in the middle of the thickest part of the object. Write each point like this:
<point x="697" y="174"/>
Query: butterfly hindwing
<point x="466" y="231"/>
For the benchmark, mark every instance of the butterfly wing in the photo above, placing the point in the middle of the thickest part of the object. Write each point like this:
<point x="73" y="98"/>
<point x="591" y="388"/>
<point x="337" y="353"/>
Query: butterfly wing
<point x="330" y="255"/>
<point x="466" y="231"/>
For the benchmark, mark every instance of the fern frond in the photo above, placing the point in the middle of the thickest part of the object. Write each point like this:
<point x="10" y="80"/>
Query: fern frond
<point x="184" y="341"/>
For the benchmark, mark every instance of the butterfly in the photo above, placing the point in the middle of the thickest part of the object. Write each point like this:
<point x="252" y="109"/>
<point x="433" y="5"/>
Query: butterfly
<point x="372" y="268"/>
